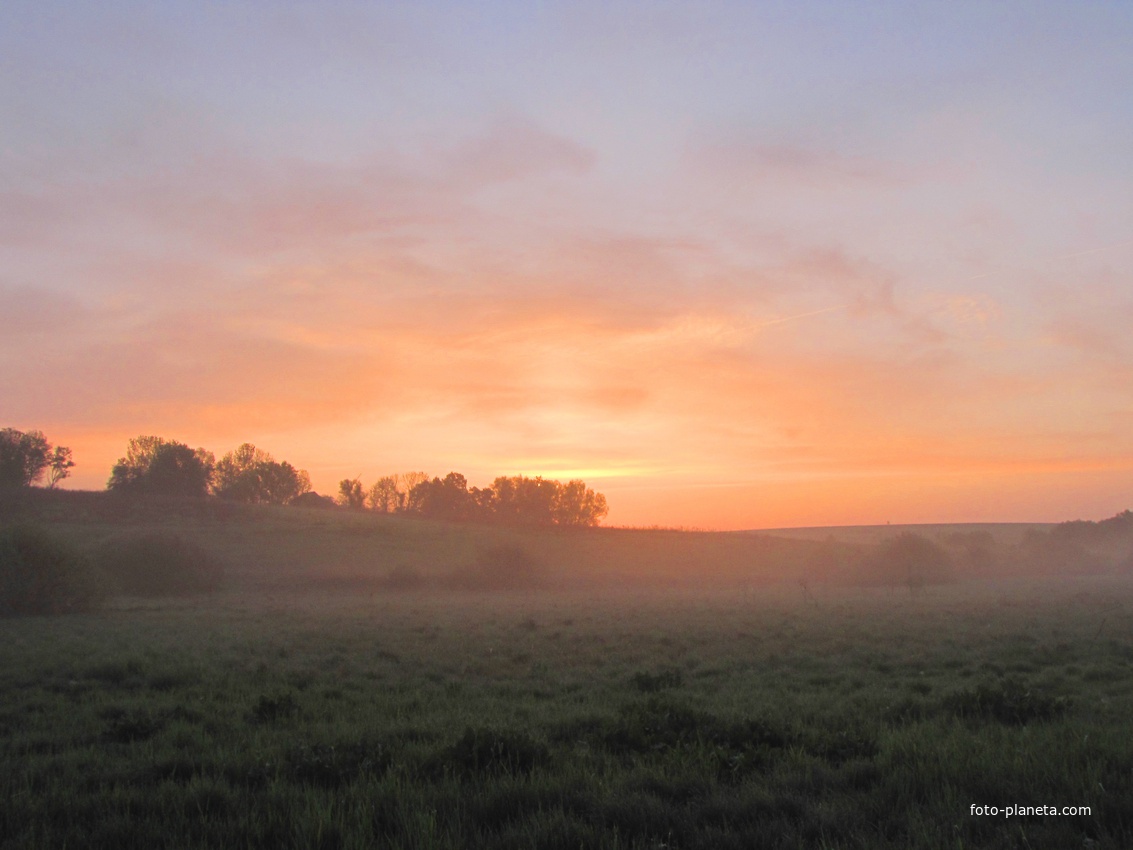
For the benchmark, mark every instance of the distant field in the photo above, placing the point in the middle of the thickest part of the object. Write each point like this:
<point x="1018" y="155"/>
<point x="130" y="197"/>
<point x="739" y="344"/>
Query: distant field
<point x="1005" y="533"/>
<point x="715" y="703"/>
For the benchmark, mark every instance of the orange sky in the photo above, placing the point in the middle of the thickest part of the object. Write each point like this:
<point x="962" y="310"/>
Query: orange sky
<point x="784" y="272"/>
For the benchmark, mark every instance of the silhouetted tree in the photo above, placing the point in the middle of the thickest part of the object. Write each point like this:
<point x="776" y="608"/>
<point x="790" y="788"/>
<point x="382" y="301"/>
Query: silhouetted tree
<point x="514" y="500"/>
<point x="483" y="502"/>
<point x="383" y="497"/>
<point x="446" y="498"/>
<point x="26" y="456"/>
<point x="524" y="501"/>
<point x="281" y="483"/>
<point x="578" y="505"/>
<point x="234" y="476"/>
<point x="391" y="492"/>
<point x="248" y="474"/>
<point x="60" y="466"/>
<point x="1089" y="533"/>
<point x="156" y="466"/>
<point x="406" y="481"/>
<point x="351" y="494"/>
<point x="538" y="501"/>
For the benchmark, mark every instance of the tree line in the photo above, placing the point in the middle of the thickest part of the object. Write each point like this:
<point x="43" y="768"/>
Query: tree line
<point x="155" y="466"/>
<point x="514" y="500"/>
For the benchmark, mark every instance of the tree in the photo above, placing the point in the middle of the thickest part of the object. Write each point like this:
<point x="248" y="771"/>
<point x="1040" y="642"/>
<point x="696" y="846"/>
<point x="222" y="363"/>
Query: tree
<point x="383" y="497"/>
<point x="525" y="501"/>
<point x="155" y="466"/>
<point x="538" y="501"/>
<point x="391" y="493"/>
<point x="908" y="559"/>
<point x="24" y="457"/>
<point x="446" y="498"/>
<point x="235" y="474"/>
<point x="60" y="467"/>
<point x="578" y="505"/>
<point x="281" y="483"/>
<point x="247" y="474"/>
<point x="514" y="500"/>
<point x="350" y="494"/>
<point x="406" y="481"/>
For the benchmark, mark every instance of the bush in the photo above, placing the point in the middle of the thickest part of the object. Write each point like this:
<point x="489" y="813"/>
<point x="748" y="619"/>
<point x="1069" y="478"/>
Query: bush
<point x="1050" y="553"/>
<point x="499" y="568"/>
<point x="159" y="564"/>
<point x="908" y="559"/>
<point x="40" y="575"/>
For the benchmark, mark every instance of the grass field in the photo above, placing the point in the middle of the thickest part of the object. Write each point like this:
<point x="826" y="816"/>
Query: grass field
<point x="311" y="703"/>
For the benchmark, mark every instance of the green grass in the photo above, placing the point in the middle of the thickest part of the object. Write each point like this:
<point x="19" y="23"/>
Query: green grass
<point x="635" y="720"/>
<point x="311" y="702"/>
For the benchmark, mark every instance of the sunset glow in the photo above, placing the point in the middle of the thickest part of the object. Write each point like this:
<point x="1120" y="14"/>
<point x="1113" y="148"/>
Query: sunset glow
<point x="735" y="265"/>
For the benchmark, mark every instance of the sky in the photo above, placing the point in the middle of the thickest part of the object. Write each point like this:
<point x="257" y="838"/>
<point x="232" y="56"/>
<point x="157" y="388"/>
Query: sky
<point x="736" y="265"/>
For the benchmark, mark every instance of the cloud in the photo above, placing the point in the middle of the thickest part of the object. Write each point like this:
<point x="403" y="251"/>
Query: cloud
<point x="243" y="206"/>
<point x="741" y="157"/>
<point x="188" y="370"/>
<point x="31" y="311"/>
<point x="512" y="149"/>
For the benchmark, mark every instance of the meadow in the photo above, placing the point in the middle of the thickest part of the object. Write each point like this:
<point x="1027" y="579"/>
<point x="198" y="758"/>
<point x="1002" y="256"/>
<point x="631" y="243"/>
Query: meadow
<point x="356" y="683"/>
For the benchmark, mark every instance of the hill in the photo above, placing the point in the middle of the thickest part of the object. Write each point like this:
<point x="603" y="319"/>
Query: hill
<point x="1004" y="533"/>
<point x="276" y="549"/>
<point x="279" y="548"/>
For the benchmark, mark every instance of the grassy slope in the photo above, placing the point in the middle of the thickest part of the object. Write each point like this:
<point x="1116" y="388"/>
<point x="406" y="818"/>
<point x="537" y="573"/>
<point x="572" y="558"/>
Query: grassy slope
<point x="283" y="547"/>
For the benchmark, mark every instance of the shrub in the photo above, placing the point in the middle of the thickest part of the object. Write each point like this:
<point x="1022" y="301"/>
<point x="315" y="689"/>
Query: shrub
<point x="312" y="499"/>
<point x="40" y="575"/>
<point x="1049" y="553"/>
<point x="159" y="564"/>
<point x="907" y="559"/>
<point x="499" y="568"/>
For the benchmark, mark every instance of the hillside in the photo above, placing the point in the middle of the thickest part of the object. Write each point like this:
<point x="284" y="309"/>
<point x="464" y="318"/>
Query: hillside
<point x="1004" y="533"/>
<point x="272" y="548"/>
